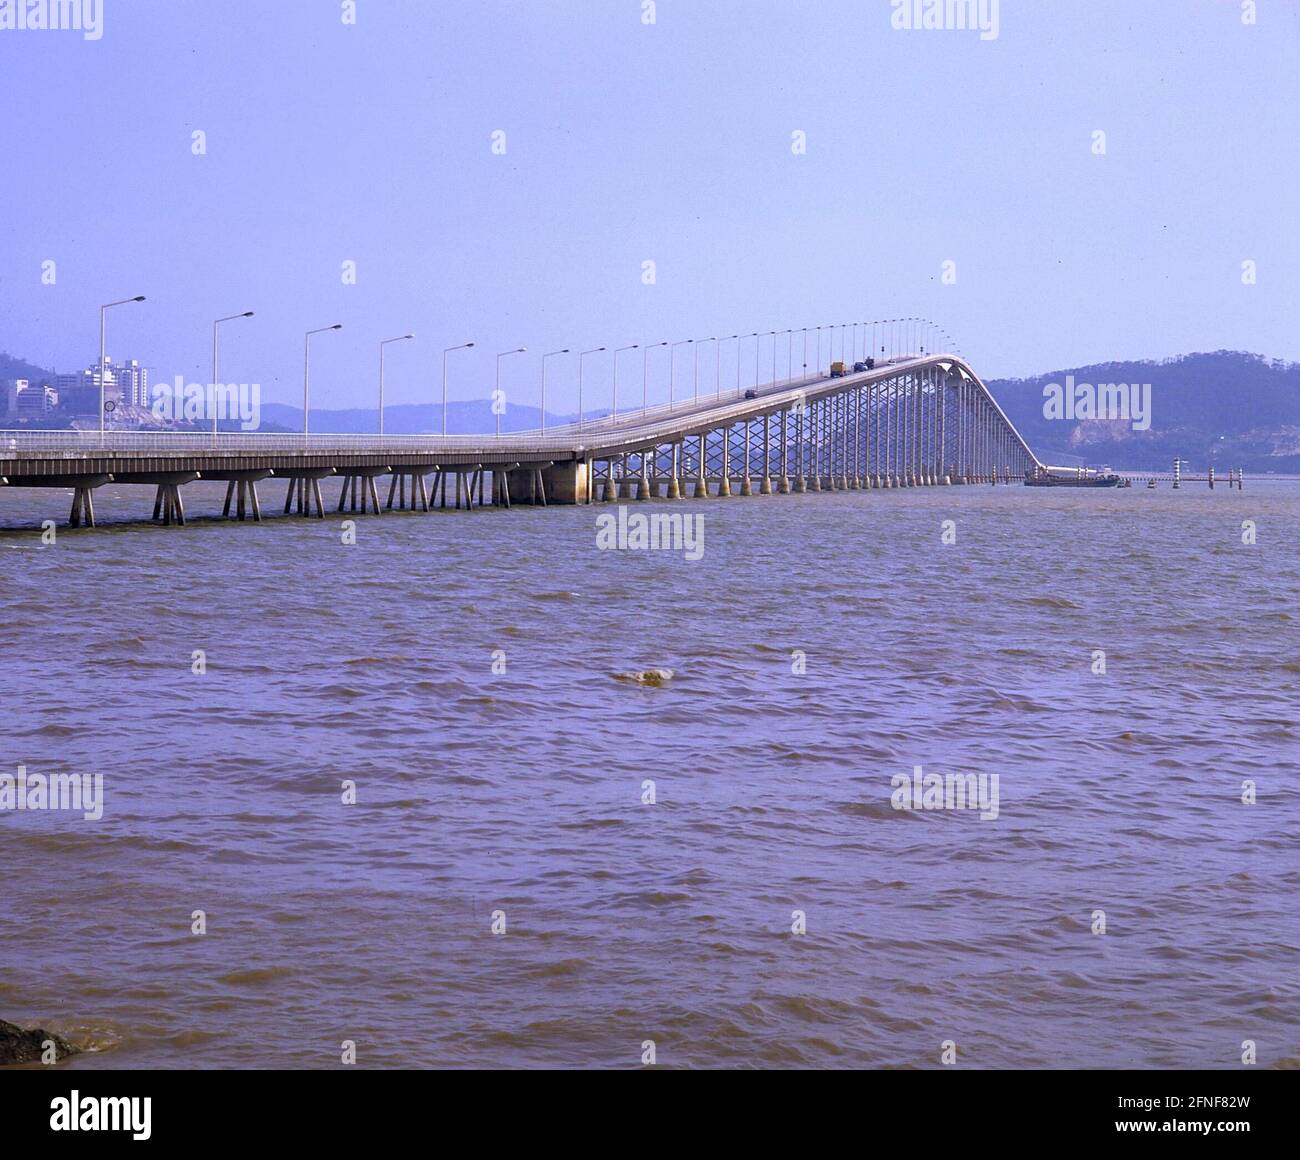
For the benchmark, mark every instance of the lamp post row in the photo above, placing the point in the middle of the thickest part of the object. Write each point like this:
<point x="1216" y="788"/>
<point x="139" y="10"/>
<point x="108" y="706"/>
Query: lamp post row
<point x="898" y="333"/>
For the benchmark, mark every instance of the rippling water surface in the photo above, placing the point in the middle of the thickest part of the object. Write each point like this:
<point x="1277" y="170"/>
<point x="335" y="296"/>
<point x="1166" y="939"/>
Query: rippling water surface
<point x="522" y="792"/>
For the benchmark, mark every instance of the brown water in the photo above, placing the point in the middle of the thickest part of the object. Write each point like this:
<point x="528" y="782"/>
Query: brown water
<point x="522" y="792"/>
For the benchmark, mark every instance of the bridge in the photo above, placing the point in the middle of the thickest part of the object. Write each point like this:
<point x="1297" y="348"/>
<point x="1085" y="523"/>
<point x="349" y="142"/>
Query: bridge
<point x="915" y="420"/>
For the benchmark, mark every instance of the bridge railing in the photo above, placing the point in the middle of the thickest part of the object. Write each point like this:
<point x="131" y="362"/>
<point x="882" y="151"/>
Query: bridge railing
<point x="247" y="441"/>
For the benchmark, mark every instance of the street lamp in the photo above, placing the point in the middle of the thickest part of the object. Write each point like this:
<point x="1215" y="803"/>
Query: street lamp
<point x="717" y="362"/>
<point x="613" y="414"/>
<point x="552" y="354"/>
<point x="672" y="368"/>
<point x="495" y="393"/>
<point x="445" y="353"/>
<point x="216" y="364"/>
<point x="103" y="369"/>
<point x="306" y="371"/>
<point x="384" y="343"/>
<point x="699" y="343"/>
<point x="754" y="336"/>
<point x="582" y="355"/>
<point x="645" y="376"/>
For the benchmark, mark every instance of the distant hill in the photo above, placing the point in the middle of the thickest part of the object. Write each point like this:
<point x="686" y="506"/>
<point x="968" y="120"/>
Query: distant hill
<point x="17" y="368"/>
<point x="1228" y="408"/>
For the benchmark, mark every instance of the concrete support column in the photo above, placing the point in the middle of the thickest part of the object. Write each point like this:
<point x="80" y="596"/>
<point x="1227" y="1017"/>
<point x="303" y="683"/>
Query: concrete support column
<point x="647" y="477"/>
<point x="783" y="484"/>
<point x="765" y="488"/>
<point x="701" y="472"/>
<point x="83" y="507"/>
<point x="746" y="487"/>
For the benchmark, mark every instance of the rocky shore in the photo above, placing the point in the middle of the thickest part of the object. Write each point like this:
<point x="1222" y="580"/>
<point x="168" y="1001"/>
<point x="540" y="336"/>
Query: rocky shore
<point x="23" y="1045"/>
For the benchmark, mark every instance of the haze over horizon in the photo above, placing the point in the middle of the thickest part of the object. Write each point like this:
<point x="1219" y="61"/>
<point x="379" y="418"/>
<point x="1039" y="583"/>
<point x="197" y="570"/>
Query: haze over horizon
<point x="373" y="143"/>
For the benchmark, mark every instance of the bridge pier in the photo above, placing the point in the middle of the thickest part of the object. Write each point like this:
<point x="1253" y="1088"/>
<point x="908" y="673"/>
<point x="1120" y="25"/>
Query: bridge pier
<point x="528" y="484"/>
<point x="674" y="488"/>
<point x="83" y="503"/>
<point x="241" y="490"/>
<point x="701" y="478"/>
<point x="464" y="484"/>
<point x="500" y="488"/>
<point x="419" y="492"/>
<point x="167" y="502"/>
<point x="83" y="489"/>
<point x="244" y="486"/>
<point x="565" y="482"/>
<point x="366" y="481"/>
<point x="304" y="488"/>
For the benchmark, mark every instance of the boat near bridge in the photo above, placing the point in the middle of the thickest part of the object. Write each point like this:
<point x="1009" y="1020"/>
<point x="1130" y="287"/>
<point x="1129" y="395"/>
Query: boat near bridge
<point x="1041" y="475"/>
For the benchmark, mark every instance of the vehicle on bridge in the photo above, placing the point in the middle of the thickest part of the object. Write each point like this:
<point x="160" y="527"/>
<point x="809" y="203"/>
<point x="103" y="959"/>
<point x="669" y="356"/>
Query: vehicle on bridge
<point x="751" y="393"/>
<point x="838" y="370"/>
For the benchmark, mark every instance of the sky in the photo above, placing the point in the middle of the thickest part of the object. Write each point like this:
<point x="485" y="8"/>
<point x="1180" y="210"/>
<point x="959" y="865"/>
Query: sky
<point x="638" y="133"/>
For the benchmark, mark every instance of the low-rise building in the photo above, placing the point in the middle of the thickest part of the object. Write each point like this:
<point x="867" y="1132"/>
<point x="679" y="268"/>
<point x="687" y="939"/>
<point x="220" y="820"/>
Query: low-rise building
<point x="35" y="402"/>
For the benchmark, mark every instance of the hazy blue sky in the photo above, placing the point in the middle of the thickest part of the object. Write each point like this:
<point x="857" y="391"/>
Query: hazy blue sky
<point x="627" y="142"/>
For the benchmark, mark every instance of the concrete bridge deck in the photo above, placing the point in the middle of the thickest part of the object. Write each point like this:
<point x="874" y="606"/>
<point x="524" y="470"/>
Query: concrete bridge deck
<point x="915" y="419"/>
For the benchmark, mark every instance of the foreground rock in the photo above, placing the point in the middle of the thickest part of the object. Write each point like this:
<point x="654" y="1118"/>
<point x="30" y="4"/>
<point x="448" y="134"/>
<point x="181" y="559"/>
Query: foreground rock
<point x="656" y="677"/>
<point x="20" y="1045"/>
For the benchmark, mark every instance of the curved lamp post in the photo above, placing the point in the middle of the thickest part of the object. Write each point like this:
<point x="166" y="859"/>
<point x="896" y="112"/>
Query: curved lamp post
<point x="497" y="391"/>
<point x="103" y="368"/>
<point x="306" y="372"/>
<point x="445" y="353"/>
<point x="613" y="413"/>
<point x="582" y="355"/>
<point x="384" y="343"/>
<point x="552" y="354"/>
<point x="645" y="375"/>
<point x="216" y="365"/>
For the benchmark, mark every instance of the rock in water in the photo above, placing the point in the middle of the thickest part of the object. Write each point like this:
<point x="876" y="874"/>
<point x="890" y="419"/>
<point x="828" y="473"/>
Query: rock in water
<point x="19" y="1045"/>
<point x="647" y="677"/>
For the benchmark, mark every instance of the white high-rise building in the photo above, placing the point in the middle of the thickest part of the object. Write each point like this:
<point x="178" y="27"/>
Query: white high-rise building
<point x="132" y="382"/>
<point x="126" y="382"/>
